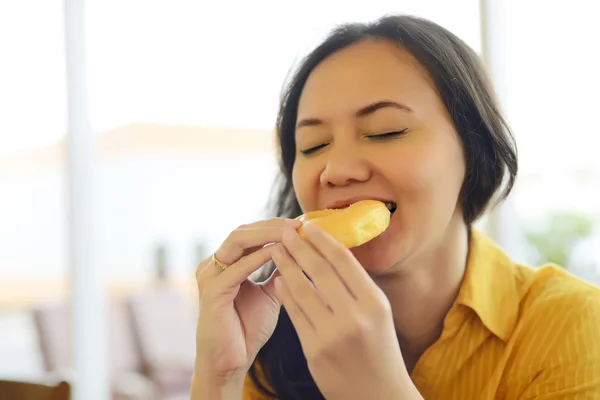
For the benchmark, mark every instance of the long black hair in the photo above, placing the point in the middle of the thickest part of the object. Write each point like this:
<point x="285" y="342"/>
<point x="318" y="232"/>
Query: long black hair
<point x="489" y="148"/>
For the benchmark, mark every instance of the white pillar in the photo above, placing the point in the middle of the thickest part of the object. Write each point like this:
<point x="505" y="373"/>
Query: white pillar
<point x="502" y="224"/>
<point x="88" y="323"/>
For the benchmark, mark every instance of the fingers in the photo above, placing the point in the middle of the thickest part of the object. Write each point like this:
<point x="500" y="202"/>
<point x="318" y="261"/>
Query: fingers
<point x="320" y="271"/>
<point x="351" y="273"/>
<point x="249" y="237"/>
<point x="300" y="289"/>
<point x="268" y="286"/>
<point x="244" y="251"/>
<point x="302" y="324"/>
<point x="235" y="274"/>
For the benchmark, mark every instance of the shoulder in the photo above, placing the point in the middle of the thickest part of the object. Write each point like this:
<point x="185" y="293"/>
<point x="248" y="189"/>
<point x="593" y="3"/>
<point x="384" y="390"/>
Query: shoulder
<point x="552" y="287"/>
<point x="556" y="336"/>
<point x="560" y="312"/>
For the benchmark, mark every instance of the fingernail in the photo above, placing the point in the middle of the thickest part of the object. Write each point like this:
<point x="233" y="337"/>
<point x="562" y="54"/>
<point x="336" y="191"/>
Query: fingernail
<point x="310" y="229"/>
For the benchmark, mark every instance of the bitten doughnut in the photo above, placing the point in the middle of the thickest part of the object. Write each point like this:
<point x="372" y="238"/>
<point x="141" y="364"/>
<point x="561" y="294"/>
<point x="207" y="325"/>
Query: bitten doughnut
<point x="352" y="226"/>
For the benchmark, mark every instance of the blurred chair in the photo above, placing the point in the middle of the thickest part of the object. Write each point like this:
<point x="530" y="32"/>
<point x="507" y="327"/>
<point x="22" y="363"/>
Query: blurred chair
<point x="128" y="383"/>
<point x="164" y="325"/>
<point x="24" y="390"/>
<point x="52" y="328"/>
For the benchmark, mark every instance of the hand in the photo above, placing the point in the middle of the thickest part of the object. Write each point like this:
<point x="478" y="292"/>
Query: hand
<point x="237" y="316"/>
<point x="343" y="319"/>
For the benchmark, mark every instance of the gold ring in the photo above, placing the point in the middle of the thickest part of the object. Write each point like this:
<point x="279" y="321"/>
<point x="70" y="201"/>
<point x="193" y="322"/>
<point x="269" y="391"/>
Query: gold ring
<point x="219" y="263"/>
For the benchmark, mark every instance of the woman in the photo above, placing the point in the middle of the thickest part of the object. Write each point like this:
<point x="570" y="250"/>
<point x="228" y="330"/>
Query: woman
<point x="398" y="110"/>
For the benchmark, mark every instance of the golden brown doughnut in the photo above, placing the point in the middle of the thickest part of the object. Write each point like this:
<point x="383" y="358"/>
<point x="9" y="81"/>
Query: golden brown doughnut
<point x="351" y="226"/>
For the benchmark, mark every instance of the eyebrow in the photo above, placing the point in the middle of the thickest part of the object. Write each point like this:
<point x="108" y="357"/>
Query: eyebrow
<point x="363" y="112"/>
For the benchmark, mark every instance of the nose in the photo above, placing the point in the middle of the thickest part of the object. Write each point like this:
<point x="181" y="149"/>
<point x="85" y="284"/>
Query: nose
<point x="344" y="166"/>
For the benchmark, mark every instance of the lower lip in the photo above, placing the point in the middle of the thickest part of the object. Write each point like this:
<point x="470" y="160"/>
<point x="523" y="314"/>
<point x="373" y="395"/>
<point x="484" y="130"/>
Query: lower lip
<point x="391" y="221"/>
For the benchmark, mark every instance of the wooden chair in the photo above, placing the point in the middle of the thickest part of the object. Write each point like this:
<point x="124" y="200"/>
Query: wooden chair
<point x="24" y="390"/>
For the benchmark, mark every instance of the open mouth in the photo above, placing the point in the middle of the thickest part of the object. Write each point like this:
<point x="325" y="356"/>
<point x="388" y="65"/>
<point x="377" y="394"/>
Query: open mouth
<point x="391" y="206"/>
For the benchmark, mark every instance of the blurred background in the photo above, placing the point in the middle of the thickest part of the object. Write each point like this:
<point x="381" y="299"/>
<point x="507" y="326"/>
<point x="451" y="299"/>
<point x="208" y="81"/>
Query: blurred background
<point x="180" y="99"/>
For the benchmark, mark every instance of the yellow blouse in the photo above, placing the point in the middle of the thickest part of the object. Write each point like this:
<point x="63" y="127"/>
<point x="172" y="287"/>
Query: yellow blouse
<point x="514" y="332"/>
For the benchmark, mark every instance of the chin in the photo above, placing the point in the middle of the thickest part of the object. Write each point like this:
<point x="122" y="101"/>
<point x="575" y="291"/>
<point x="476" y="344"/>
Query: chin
<point x="387" y="251"/>
<point x="379" y="255"/>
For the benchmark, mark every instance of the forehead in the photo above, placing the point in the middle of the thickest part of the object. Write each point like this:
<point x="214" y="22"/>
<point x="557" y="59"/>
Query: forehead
<point x="365" y="72"/>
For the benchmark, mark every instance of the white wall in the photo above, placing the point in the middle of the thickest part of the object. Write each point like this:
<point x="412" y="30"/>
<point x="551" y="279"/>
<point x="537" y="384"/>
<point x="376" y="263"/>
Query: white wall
<point x="144" y="200"/>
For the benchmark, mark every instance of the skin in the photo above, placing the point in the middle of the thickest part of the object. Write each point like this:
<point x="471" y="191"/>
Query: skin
<point x="387" y="299"/>
<point x="420" y="260"/>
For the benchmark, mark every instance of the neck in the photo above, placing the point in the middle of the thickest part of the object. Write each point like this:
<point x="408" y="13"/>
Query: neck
<point x="423" y="290"/>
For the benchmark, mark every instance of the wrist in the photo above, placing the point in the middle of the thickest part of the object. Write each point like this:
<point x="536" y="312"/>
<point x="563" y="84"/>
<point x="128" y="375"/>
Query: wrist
<point x="205" y="386"/>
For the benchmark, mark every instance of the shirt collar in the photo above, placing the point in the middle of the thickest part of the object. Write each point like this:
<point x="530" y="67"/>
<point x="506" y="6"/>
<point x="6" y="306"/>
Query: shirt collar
<point x="489" y="286"/>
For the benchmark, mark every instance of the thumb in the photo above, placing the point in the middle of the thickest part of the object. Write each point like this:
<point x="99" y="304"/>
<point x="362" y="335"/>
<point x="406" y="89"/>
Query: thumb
<point x="268" y="287"/>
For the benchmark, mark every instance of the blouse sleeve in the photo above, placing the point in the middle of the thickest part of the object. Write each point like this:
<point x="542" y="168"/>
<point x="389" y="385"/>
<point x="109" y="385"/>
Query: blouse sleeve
<point x="251" y="391"/>
<point x="573" y="370"/>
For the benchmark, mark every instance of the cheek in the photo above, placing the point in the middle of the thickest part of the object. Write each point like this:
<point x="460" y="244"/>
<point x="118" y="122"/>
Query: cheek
<point x="431" y="176"/>
<point x="305" y="180"/>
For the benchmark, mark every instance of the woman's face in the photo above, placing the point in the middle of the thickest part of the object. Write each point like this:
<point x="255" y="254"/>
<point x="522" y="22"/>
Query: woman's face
<point x="372" y="125"/>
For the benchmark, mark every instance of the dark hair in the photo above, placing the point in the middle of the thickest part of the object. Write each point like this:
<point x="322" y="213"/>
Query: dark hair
<point x="489" y="148"/>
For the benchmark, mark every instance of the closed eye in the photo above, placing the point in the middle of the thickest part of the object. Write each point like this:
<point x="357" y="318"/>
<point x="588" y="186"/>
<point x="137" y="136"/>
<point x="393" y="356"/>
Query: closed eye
<point x="387" y="135"/>
<point x="313" y="149"/>
<point x="379" y="136"/>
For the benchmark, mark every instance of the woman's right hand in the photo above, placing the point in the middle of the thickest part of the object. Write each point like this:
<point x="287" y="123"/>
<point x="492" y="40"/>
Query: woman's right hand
<point x="237" y="316"/>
